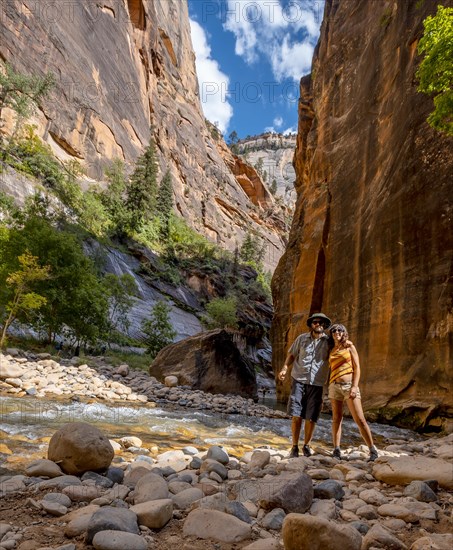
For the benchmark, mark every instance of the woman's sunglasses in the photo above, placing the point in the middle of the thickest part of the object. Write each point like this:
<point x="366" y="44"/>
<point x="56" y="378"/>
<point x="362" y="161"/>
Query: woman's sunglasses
<point x="336" y="330"/>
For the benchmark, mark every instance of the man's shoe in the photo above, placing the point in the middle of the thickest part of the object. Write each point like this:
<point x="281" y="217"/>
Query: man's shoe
<point x="337" y="453"/>
<point x="294" y="453"/>
<point x="307" y="450"/>
<point x="373" y="454"/>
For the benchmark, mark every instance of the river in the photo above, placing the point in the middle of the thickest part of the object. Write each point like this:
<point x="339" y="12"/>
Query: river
<point x="27" y="424"/>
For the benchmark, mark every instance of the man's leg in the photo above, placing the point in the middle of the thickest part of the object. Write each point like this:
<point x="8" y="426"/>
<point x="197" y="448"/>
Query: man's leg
<point x="309" y="428"/>
<point x="296" y="425"/>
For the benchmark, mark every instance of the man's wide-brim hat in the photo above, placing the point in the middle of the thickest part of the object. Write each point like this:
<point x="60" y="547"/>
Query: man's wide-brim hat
<point x="325" y="320"/>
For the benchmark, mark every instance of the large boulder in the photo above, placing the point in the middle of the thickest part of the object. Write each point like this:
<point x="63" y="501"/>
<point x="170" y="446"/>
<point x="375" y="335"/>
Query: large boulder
<point x="79" y="447"/>
<point x="404" y="470"/>
<point x="209" y="361"/>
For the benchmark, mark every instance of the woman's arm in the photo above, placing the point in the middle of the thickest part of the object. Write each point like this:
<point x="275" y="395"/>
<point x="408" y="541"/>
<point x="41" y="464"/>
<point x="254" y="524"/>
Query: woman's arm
<point x="356" y="369"/>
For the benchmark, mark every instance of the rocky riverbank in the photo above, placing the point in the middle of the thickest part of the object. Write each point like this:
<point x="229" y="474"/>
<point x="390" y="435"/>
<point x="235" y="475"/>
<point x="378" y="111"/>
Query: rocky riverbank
<point x="40" y="375"/>
<point x="203" y="500"/>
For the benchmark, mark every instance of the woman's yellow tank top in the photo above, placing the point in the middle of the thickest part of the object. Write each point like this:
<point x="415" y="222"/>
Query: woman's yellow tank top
<point x="340" y="364"/>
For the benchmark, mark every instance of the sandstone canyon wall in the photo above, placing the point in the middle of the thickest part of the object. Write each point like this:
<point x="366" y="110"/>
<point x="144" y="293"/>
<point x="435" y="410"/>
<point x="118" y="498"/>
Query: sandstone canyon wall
<point x="371" y="241"/>
<point x="122" y="66"/>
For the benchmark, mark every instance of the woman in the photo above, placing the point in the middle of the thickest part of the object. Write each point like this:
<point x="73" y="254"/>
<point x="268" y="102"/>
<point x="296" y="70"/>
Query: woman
<point x="344" y="386"/>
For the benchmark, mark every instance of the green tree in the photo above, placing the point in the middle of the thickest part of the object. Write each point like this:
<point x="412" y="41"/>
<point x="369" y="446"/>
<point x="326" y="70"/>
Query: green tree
<point x="222" y="313"/>
<point x="142" y="189"/>
<point x="436" y="70"/>
<point x="113" y="198"/>
<point x="252" y="250"/>
<point x="21" y="92"/>
<point x="22" y="300"/>
<point x="120" y="292"/>
<point x="259" y="166"/>
<point x="158" y="329"/>
<point x="164" y="204"/>
<point x="273" y="187"/>
<point x="75" y="296"/>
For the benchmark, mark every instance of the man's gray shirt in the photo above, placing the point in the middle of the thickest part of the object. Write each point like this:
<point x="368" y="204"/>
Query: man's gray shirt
<point x="311" y="363"/>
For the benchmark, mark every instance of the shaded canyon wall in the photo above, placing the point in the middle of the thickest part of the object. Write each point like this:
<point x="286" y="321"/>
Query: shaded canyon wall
<point x="371" y="241"/>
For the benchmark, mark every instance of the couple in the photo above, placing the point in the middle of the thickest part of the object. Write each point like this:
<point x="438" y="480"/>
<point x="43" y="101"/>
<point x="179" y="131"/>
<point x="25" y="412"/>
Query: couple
<point x="310" y="357"/>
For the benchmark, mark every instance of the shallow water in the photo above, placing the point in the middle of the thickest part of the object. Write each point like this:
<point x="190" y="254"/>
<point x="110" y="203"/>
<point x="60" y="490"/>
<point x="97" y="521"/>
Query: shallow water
<point x="28" y="423"/>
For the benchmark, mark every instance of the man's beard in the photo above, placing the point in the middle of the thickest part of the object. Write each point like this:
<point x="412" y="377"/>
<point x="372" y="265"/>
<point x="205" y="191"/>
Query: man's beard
<point x="318" y="329"/>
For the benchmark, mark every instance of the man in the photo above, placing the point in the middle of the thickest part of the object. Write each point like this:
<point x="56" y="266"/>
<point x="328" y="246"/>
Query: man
<point x="308" y="359"/>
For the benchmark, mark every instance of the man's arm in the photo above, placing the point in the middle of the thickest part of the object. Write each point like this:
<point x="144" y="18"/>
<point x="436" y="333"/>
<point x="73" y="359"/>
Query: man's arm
<point x="288" y="364"/>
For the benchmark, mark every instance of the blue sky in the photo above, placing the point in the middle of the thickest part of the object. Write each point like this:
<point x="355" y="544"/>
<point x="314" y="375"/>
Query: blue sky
<point x="250" y="56"/>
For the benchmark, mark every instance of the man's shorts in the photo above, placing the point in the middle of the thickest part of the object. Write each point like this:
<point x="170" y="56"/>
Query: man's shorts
<point x="340" y="391"/>
<point x="305" y="401"/>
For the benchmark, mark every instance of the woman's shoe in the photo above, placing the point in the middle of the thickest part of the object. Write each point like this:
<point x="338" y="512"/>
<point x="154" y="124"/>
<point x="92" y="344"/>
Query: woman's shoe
<point x="337" y="453"/>
<point x="373" y="454"/>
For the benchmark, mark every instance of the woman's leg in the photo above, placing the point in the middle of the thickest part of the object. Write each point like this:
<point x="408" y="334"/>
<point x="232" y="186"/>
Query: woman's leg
<point x="337" y="418"/>
<point x="355" y="407"/>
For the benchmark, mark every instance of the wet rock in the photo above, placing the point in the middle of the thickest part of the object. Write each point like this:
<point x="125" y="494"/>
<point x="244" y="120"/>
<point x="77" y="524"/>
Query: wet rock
<point x="212" y="524"/>
<point x="79" y="447"/>
<point x="109" y="518"/>
<point x="329" y="489"/>
<point x="210" y="465"/>
<point x="154" y="514"/>
<point x="43" y="468"/>
<point x="305" y="531"/>
<point x="218" y="454"/>
<point x="401" y="471"/>
<point x="116" y="540"/>
<point x="421" y="491"/>
<point x="379" y="537"/>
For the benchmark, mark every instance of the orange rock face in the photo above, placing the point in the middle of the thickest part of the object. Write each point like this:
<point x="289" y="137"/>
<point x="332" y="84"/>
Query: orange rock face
<point x="371" y="242"/>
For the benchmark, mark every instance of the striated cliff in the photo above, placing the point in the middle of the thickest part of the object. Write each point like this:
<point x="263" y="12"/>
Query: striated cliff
<point x="371" y="242"/>
<point x="122" y="66"/>
<point x="276" y="152"/>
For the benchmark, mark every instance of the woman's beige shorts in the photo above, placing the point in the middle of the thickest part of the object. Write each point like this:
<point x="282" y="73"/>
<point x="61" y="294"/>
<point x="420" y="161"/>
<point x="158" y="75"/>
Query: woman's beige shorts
<point x="341" y="390"/>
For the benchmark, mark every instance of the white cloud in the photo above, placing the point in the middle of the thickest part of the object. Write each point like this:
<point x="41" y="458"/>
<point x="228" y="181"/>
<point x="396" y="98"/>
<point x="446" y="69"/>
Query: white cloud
<point x="282" y="31"/>
<point x="278" y="122"/>
<point x="290" y="131"/>
<point x="212" y="81"/>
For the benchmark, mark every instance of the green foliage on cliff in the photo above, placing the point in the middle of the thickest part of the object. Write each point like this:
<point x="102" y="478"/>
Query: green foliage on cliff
<point x="222" y="313"/>
<point x="21" y="92"/>
<point x="164" y="204"/>
<point x="436" y="70"/>
<point x="158" y="329"/>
